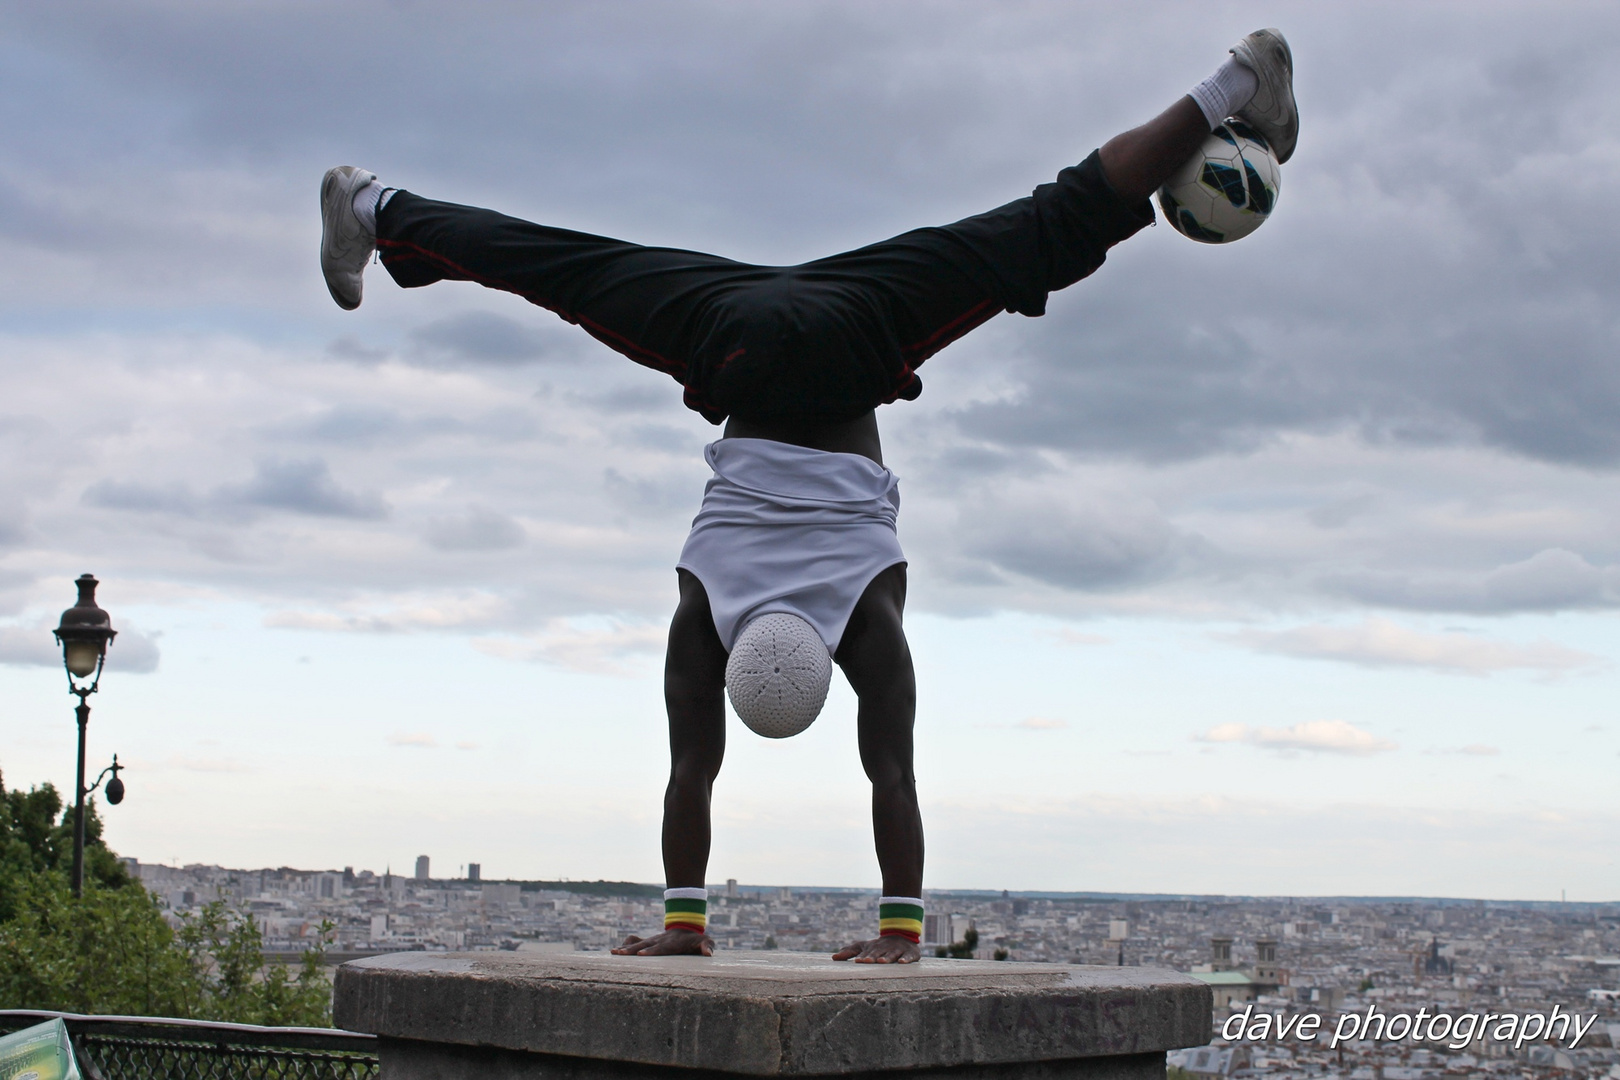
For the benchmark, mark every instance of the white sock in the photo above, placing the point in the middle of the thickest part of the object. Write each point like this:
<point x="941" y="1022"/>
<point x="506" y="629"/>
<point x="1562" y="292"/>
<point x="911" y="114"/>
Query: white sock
<point x="370" y="199"/>
<point x="1224" y="92"/>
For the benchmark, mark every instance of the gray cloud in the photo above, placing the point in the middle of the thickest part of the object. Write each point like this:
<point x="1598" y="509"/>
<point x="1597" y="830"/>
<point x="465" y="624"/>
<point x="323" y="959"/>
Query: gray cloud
<point x="305" y="487"/>
<point x="1400" y="394"/>
<point x="1096" y="547"/>
<point x="666" y="438"/>
<point x="977" y="461"/>
<point x="299" y="486"/>
<point x="612" y="650"/>
<point x="366" y="424"/>
<point x="13" y="530"/>
<point x="1382" y="643"/>
<point x="1340" y="512"/>
<point x="1374" y="302"/>
<point x="1550" y="580"/>
<point x="644" y="396"/>
<point x="1433" y="283"/>
<point x="478" y="337"/>
<point x="478" y="529"/>
<point x="647" y="495"/>
<point x="348" y="347"/>
<point x="144" y="498"/>
<point x="1118" y="380"/>
<point x="1422" y="290"/>
<point x="131" y="652"/>
<point x="29" y="647"/>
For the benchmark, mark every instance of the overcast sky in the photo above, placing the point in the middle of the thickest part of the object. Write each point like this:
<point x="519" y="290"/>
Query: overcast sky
<point x="1284" y="567"/>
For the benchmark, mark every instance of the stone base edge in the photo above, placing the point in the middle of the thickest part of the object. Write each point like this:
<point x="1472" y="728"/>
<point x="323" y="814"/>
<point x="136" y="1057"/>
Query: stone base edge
<point x="408" y="1059"/>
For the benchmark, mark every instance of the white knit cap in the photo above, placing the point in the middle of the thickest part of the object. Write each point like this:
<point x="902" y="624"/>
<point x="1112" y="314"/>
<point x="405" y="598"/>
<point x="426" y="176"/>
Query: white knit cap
<point x="778" y="675"/>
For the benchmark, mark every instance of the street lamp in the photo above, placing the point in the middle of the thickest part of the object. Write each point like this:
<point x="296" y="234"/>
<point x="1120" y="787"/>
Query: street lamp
<point x="84" y="634"/>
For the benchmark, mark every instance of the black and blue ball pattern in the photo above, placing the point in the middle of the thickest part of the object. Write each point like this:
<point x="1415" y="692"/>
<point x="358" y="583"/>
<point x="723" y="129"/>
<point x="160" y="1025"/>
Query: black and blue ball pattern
<point x="1227" y="189"/>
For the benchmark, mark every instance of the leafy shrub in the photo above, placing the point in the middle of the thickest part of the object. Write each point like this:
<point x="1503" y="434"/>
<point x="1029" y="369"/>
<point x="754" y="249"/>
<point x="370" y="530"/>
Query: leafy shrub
<point x="112" y="951"/>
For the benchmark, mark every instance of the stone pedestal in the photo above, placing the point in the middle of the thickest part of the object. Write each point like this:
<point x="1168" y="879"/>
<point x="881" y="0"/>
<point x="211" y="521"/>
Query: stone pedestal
<point x="585" y="1016"/>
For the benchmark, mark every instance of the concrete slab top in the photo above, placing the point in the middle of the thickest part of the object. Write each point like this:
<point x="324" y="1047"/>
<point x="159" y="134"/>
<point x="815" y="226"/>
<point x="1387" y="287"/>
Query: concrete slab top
<point x="772" y="1013"/>
<point x="775" y="974"/>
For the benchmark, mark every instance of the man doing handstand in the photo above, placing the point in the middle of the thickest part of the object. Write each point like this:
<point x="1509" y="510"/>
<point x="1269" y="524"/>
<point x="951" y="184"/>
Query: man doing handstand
<point x="799" y="517"/>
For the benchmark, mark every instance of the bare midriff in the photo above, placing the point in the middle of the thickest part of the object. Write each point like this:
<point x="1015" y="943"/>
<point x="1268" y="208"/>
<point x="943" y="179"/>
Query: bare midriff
<point x="858" y="436"/>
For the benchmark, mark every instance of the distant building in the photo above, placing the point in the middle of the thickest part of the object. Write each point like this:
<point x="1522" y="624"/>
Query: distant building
<point x="1228" y="986"/>
<point x="1549" y="1057"/>
<point x="1267" y="975"/>
<point x="1436" y="962"/>
<point x="731" y="886"/>
<point x="422" y="868"/>
<point x="1231" y="984"/>
<point x="1328" y="999"/>
<point x="946" y="929"/>
<point x="501" y="896"/>
<point x="474" y="871"/>
<point x="1210" y="1060"/>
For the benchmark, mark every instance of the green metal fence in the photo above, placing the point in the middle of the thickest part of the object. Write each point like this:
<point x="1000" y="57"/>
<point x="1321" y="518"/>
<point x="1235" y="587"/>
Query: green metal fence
<point x="149" y="1048"/>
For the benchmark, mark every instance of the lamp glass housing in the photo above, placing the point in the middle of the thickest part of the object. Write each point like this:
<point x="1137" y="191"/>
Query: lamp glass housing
<point x="82" y="656"/>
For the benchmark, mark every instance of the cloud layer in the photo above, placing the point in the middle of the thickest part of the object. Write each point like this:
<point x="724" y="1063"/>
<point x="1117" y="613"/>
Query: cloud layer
<point x="131" y="652"/>
<point x="1413" y="358"/>
<point x="1317" y="736"/>
<point x="1379" y="642"/>
<point x="1392" y="409"/>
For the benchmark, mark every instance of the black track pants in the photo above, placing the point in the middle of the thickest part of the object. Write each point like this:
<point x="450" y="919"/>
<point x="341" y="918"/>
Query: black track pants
<point x="823" y="341"/>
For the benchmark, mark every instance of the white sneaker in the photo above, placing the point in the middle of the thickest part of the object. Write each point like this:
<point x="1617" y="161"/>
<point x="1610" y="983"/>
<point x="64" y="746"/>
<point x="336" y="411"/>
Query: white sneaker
<point x="346" y="244"/>
<point x="1271" y="111"/>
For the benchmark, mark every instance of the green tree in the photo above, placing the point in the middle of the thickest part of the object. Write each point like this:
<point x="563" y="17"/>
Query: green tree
<point x="33" y="838"/>
<point x="964" y="949"/>
<point x="225" y="957"/>
<point x="109" y="952"/>
<point x="113" y="950"/>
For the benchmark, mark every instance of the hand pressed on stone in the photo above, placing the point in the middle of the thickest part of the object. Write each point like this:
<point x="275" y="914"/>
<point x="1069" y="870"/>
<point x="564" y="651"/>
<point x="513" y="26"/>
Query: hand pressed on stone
<point x="668" y="943"/>
<point x="890" y="949"/>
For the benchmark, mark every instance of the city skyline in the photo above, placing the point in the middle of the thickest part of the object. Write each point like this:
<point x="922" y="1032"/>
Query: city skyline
<point x="1277" y="967"/>
<point x="734" y="887"/>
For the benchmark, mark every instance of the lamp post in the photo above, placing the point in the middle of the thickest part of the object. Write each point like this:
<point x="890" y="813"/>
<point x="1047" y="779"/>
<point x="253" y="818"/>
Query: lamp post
<point x="84" y="634"/>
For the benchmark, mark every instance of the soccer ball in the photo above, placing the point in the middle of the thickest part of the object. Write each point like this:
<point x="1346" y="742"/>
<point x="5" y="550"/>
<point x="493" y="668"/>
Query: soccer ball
<point x="1227" y="189"/>
<point x="778" y="675"/>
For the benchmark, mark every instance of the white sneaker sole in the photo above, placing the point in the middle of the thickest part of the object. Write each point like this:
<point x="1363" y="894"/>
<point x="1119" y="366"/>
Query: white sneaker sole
<point x="346" y="244"/>
<point x="1272" y="111"/>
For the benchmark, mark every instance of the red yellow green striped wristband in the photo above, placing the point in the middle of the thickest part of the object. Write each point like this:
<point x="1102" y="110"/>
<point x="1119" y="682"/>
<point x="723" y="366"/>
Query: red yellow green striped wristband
<point x="900" y="916"/>
<point x="686" y="909"/>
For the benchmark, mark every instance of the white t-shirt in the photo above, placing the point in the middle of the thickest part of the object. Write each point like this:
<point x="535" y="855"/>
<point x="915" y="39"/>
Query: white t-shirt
<point x="787" y="528"/>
